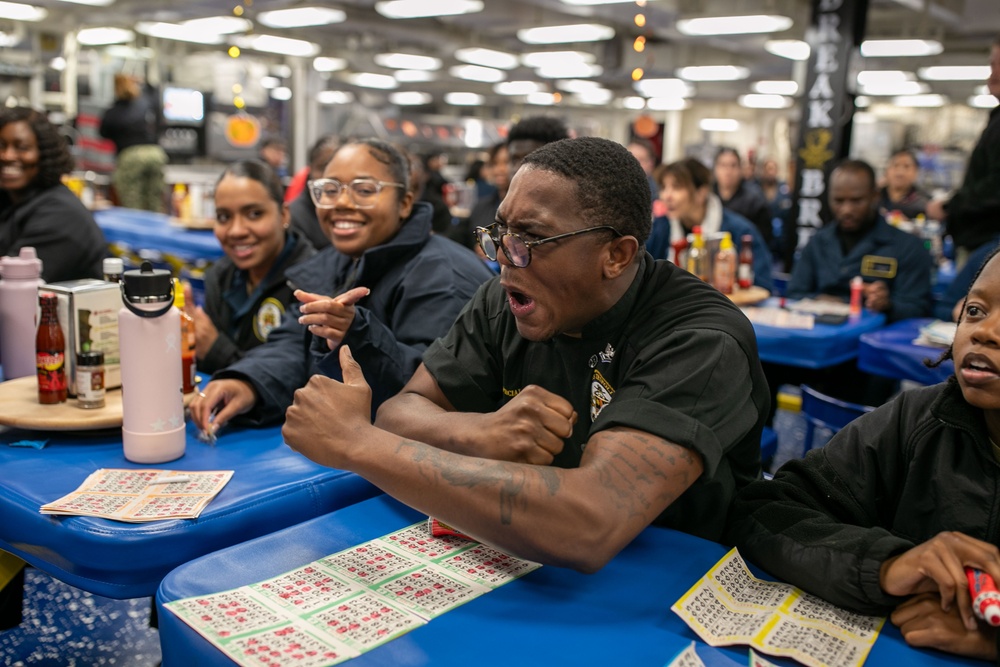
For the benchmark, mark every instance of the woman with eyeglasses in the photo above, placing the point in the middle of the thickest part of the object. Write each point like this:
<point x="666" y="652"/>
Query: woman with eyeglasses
<point x="246" y="292"/>
<point x="386" y="286"/>
<point x="36" y="209"/>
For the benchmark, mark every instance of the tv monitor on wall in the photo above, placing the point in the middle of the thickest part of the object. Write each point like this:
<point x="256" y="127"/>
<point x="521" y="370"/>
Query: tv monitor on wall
<point x="183" y="106"/>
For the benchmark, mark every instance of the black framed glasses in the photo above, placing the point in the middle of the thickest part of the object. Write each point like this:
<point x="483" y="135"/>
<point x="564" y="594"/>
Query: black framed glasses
<point x="363" y="192"/>
<point x="516" y="249"/>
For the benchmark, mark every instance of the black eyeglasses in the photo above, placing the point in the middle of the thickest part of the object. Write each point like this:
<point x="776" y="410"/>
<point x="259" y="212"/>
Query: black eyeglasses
<point x="516" y="249"/>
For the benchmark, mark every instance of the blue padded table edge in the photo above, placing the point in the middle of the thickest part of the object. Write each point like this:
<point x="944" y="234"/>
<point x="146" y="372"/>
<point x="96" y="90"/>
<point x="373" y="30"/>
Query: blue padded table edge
<point x="552" y="616"/>
<point x="822" y="346"/>
<point x="890" y="352"/>
<point x="273" y="487"/>
<point x="145" y="229"/>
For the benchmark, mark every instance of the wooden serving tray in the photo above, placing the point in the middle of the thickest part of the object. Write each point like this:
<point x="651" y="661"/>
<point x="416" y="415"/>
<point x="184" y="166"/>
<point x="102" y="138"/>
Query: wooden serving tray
<point x="748" y="297"/>
<point x="21" y="409"/>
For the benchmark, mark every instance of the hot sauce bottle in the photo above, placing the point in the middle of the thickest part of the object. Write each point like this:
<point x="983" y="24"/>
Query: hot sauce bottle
<point x="50" y="352"/>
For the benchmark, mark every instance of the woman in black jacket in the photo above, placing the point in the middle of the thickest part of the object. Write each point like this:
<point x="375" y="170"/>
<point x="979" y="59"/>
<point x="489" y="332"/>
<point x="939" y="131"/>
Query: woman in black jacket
<point x="246" y="293"/>
<point x="36" y="209"/>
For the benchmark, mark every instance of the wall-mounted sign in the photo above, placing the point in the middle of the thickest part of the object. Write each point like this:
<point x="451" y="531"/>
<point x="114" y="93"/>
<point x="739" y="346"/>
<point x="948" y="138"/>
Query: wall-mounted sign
<point x="242" y="130"/>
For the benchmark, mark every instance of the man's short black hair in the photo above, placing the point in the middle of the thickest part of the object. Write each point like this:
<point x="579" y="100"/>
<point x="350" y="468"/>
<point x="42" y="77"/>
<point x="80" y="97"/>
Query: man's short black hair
<point x="611" y="187"/>
<point x="543" y="129"/>
<point x="858" y="167"/>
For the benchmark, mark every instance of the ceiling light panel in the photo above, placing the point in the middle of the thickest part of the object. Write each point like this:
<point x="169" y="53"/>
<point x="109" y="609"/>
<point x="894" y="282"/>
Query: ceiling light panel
<point x="370" y="80"/>
<point x="334" y="97"/>
<point x="412" y="9"/>
<point x="477" y="73"/>
<point x="734" y="25"/>
<point x="565" y="34"/>
<point x="547" y="58"/>
<point x="274" y="44"/>
<point x="889" y="48"/>
<point x="713" y="73"/>
<point x="299" y="17"/>
<point x="667" y="104"/>
<point x="793" y="49"/>
<point x="919" y="101"/>
<point x="327" y="64"/>
<point x="664" y="88"/>
<point x="20" y="12"/>
<point x="540" y="99"/>
<point x="719" y="124"/>
<point x="983" y="101"/>
<point x="775" y="87"/>
<point x="759" y="101"/>
<point x="569" y="71"/>
<point x="954" y="73"/>
<point x="407" y="61"/>
<point x="410" y="98"/>
<point x="102" y="36"/>
<point x="517" y="88"/>
<point x="176" y="31"/>
<point x="487" y="58"/>
<point x="464" y="99"/>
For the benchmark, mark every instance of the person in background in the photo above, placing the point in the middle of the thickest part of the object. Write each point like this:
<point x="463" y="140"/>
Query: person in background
<point x="302" y="209"/>
<point x="778" y="196"/>
<point x="895" y="265"/>
<point x="477" y="175"/>
<point x="485" y="210"/>
<point x="36" y="209"/>
<point x="131" y="124"/>
<point x="643" y="151"/>
<point x="973" y="212"/>
<point x="887" y="515"/>
<point x="274" y="152"/>
<point x="434" y="184"/>
<point x="386" y="286"/>
<point x="576" y="400"/>
<point x="246" y="293"/>
<point x="530" y="133"/>
<point x="739" y="195"/>
<point x="686" y="191"/>
<point x="900" y="193"/>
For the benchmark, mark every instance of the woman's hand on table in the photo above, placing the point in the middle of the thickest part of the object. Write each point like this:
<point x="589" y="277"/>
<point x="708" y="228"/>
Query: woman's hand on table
<point x="923" y="623"/>
<point x="938" y="566"/>
<point x="329" y="317"/>
<point x="221" y="401"/>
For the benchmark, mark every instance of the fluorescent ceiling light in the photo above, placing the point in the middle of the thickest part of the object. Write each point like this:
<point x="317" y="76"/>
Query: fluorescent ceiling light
<point x="463" y="99"/>
<point x="548" y="58"/>
<point x="895" y="88"/>
<point x="226" y="25"/>
<point x="413" y="9"/>
<point x="477" y="73"/>
<point x="759" y="101"/>
<point x="19" y="12"/>
<point x="562" y="34"/>
<point x="886" y="48"/>
<point x="274" y="44"/>
<point x="634" y="102"/>
<point x="954" y="72"/>
<point x="517" y="87"/>
<point x="129" y="53"/>
<point x="487" y="57"/>
<point x="326" y="64"/>
<point x="101" y="36"/>
<point x="719" y="124"/>
<point x="569" y="70"/>
<point x="92" y="3"/>
<point x="919" y="101"/>
<point x="885" y="76"/>
<point x="413" y="76"/>
<point x="793" y="49"/>
<point x="334" y="97"/>
<point x="407" y="61"/>
<point x="664" y="88"/>
<point x="369" y="80"/>
<point x="270" y="82"/>
<point x="58" y="63"/>
<point x="775" y="87"/>
<point x="410" y="98"/>
<point x="177" y="32"/>
<point x="577" y="85"/>
<point x="596" y="97"/>
<point x="298" y="17"/>
<point x="713" y="73"/>
<point x="666" y="104"/>
<point x="541" y="99"/>
<point x="590" y="3"/>
<point x="734" y="25"/>
<point x="282" y="93"/>
<point x="983" y="101"/>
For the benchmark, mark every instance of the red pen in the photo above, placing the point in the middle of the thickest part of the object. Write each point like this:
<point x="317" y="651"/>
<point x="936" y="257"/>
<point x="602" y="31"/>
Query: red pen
<point x="985" y="596"/>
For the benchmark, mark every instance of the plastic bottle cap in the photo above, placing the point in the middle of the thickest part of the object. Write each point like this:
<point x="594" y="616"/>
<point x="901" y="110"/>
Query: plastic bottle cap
<point x="147" y="282"/>
<point x="25" y="266"/>
<point x="992" y="614"/>
<point x="113" y="265"/>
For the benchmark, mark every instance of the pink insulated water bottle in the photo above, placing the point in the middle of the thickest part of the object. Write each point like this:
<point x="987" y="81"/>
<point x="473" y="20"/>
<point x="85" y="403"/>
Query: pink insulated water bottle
<point x="149" y="332"/>
<point x="21" y="277"/>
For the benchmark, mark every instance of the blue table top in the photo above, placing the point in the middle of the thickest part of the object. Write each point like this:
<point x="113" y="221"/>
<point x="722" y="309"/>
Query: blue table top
<point x="273" y="487"/>
<point x="552" y="616"/>
<point x="822" y="346"/>
<point x="891" y="352"/>
<point x="145" y="229"/>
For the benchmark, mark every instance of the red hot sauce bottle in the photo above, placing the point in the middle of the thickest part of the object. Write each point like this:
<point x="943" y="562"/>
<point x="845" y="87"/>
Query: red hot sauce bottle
<point x="50" y="353"/>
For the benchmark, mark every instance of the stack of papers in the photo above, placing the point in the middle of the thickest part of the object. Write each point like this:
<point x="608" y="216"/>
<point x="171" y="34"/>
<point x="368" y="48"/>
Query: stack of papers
<point x="936" y="334"/>
<point x="779" y="317"/>
<point x="820" y="307"/>
<point x="137" y="496"/>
